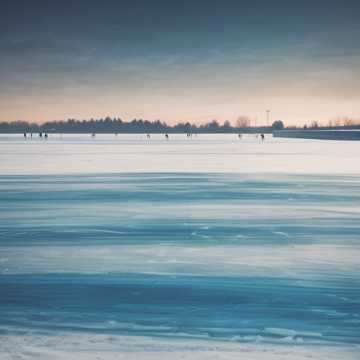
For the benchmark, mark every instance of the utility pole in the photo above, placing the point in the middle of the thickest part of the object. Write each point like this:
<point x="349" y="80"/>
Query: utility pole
<point x="267" y="117"/>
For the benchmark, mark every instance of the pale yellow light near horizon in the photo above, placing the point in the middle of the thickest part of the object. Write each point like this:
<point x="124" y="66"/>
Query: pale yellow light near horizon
<point x="297" y="111"/>
<point x="197" y="97"/>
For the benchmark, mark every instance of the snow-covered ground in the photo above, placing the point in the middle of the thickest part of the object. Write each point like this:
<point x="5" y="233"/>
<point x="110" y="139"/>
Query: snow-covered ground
<point x="69" y="153"/>
<point x="75" y="346"/>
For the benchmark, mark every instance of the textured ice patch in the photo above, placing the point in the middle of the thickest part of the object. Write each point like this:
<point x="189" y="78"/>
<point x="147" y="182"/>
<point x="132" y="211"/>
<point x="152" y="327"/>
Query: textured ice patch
<point x="300" y="261"/>
<point x="82" y="346"/>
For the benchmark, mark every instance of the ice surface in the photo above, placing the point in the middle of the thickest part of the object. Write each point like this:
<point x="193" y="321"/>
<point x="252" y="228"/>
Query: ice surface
<point x="89" y="346"/>
<point x="67" y="153"/>
<point x="206" y="248"/>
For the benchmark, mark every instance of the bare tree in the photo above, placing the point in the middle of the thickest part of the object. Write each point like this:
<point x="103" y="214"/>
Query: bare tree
<point x="314" y="125"/>
<point x="243" y="122"/>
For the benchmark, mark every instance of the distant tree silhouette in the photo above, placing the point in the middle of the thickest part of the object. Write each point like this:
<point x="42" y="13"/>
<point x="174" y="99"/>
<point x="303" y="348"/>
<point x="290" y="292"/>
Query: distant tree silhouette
<point x="277" y="125"/>
<point x="227" y="124"/>
<point x="243" y="122"/>
<point x="314" y="125"/>
<point x="117" y="125"/>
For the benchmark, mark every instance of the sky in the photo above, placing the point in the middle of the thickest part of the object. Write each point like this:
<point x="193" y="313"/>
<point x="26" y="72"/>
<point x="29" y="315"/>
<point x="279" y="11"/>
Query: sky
<point x="180" y="61"/>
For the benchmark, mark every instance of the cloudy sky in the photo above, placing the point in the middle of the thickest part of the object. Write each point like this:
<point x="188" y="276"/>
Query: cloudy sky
<point x="180" y="60"/>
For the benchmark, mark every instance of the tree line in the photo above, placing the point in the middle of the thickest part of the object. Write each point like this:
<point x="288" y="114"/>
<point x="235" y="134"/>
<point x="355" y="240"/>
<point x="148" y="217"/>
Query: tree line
<point x="116" y="125"/>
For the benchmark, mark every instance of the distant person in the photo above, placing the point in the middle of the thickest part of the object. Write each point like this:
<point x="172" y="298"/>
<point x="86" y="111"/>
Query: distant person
<point x="262" y="137"/>
<point x="148" y="136"/>
<point x="167" y="136"/>
<point x="239" y="136"/>
<point x="93" y="135"/>
<point x="25" y="135"/>
<point x="40" y="134"/>
<point x="31" y="135"/>
<point x="46" y="135"/>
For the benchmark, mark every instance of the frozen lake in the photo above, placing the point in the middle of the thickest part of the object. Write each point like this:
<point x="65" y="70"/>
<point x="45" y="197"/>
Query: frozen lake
<point x="123" y="247"/>
<point x="203" y="153"/>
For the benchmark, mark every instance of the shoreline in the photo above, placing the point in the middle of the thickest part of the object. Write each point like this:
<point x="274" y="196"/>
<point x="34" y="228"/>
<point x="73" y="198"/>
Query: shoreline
<point x="340" y="135"/>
